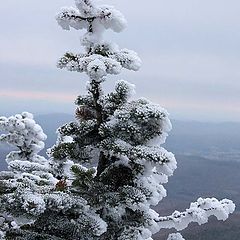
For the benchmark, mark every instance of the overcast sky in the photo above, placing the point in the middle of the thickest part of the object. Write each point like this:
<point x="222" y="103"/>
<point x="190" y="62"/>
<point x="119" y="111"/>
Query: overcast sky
<point x="190" y="51"/>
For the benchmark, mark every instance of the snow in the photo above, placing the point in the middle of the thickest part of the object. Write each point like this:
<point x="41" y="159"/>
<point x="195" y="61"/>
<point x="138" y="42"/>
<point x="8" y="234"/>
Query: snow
<point x="112" y="19"/>
<point x="26" y="166"/>
<point x="175" y="236"/>
<point x="33" y="203"/>
<point x="96" y="19"/>
<point x="111" y="64"/>
<point x="96" y="69"/>
<point x="107" y="16"/>
<point x="198" y="212"/>
<point x="86" y="8"/>
<point x="129" y="59"/>
<point x="126" y="88"/>
<point x="23" y="132"/>
<point x="128" y="133"/>
<point x="100" y="226"/>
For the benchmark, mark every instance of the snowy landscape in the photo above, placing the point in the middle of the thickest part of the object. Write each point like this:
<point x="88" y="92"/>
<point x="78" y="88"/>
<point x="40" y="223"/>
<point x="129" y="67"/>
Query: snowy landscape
<point x="205" y="141"/>
<point x="118" y="167"/>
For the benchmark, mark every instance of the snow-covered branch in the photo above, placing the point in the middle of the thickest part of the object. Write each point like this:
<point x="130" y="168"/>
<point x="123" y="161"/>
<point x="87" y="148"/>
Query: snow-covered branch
<point x="108" y="168"/>
<point x="175" y="236"/>
<point x="97" y="66"/>
<point x="199" y="212"/>
<point x="90" y="19"/>
<point x="22" y="132"/>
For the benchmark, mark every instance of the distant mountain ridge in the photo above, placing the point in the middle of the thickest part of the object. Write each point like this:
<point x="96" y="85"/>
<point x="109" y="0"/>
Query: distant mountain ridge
<point x="217" y="141"/>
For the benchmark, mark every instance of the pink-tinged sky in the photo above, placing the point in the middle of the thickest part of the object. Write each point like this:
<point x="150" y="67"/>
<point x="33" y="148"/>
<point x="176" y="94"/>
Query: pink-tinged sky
<point x="190" y="52"/>
<point x="33" y="95"/>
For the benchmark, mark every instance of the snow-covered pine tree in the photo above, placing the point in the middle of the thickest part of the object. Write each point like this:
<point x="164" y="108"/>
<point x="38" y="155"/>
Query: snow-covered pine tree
<point x="113" y="148"/>
<point x="33" y="204"/>
<point x="29" y="173"/>
<point x="107" y="169"/>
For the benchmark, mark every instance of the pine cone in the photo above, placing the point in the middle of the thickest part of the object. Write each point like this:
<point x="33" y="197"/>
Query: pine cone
<point x="61" y="185"/>
<point x="84" y="113"/>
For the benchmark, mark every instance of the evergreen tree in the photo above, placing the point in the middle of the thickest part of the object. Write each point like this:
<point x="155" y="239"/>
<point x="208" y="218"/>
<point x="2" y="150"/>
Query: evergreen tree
<point x="33" y="204"/>
<point x="107" y="168"/>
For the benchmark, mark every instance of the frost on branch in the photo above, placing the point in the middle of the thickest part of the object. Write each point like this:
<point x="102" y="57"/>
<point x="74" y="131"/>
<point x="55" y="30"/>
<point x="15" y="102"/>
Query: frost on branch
<point x="22" y="132"/>
<point x="108" y="168"/>
<point x="112" y="154"/>
<point x="28" y="172"/>
<point x="175" y="236"/>
<point x="198" y="212"/>
<point x="99" y="64"/>
<point x="101" y="57"/>
<point x="24" y="163"/>
<point x="31" y="196"/>
<point x="87" y="16"/>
